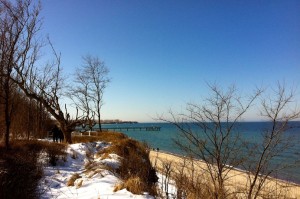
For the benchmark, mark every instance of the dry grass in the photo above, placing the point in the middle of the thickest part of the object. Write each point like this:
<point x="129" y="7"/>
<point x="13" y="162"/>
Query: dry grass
<point x="94" y="168"/>
<point x="78" y="183"/>
<point x="21" y="170"/>
<point x="102" y="136"/>
<point x="133" y="184"/>
<point x="103" y="156"/>
<point x="32" y="148"/>
<point x="134" y="158"/>
<point x="55" y="151"/>
<point x="19" y="175"/>
<point x="199" y="187"/>
<point x="135" y="168"/>
<point x="74" y="177"/>
<point x="134" y="162"/>
<point x="189" y="182"/>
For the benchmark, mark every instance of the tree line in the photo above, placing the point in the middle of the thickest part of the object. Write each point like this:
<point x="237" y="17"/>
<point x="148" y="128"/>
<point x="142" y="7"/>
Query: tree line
<point x="31" y="93"/>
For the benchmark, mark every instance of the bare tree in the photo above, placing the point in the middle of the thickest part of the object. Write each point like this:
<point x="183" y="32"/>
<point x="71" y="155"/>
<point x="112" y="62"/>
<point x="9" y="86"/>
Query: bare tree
<point x="18" y="24"/>
<point x="209" y="132"/>
<point x="279" y="110"/>
<point x="45" y="85"/>
<point x="20" y="50"/>
<point x="48" y="89"/>
<point x="92" y="79"/>
<point x="81" y="95"/>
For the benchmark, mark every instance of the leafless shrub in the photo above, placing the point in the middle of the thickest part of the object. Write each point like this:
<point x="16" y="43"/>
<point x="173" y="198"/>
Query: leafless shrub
<point x="209" y="132"/>
<point x="190" y="182"/>
<point x="55" y="151"/>
<point x="279" y="109"/>
<point x="166" y="170"/>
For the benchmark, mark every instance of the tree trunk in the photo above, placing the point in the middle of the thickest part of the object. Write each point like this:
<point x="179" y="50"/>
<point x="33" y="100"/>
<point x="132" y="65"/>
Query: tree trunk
<point x="7" y="111"/>
<point x="7" y="124"/>
<point x="67" y="131"/>
<point x="99" y="121"/>
<point x="67" y="137"/>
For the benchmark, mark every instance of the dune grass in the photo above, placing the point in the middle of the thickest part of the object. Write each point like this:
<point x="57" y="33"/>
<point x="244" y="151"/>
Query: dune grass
<point x="101" y="136"/>
<point x="135" y="168"/>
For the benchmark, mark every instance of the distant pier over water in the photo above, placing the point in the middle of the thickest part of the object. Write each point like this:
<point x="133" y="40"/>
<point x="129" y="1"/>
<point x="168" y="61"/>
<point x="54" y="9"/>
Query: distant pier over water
<point x="133" y="128"/>
<point x="118" y="125"/>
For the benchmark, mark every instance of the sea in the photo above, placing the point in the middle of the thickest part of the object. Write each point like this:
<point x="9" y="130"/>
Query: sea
<point x="250" y="131"/>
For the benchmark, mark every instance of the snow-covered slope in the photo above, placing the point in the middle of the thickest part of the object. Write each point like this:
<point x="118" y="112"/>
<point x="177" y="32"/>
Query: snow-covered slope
<point x="95" y="178"/>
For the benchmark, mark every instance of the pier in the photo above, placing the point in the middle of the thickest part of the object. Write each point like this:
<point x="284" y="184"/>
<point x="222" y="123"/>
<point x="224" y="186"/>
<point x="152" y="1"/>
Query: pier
<point x="144" y="128"/>
<point x="95" y="131"/>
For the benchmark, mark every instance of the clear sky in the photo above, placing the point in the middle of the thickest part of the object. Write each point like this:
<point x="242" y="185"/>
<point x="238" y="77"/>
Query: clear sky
<point x="161" y="54"/>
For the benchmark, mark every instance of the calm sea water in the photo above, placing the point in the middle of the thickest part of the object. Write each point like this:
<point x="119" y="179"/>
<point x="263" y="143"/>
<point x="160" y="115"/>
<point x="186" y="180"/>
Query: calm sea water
<point x="251" y="131"/>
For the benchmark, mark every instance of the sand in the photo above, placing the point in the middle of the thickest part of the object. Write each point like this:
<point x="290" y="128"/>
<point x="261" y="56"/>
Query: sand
<point x="237" y="181"/>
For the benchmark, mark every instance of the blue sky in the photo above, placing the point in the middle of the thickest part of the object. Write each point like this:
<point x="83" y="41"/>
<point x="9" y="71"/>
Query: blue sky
<point x="161" y="54"/>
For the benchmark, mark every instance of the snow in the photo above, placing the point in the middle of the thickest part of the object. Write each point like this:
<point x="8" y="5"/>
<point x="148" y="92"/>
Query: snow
<point x="166" y="186"/>
<point x="96" y="181"/>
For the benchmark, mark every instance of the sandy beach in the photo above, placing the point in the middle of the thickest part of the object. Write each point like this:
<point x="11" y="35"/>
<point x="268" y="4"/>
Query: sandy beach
<point x="237" y="179"/>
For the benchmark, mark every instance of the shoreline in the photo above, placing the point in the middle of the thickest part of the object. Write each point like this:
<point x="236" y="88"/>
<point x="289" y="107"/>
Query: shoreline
<point x="250" y="129"/>
<point x="234" y="168"/>
<point x="238" y="177"/>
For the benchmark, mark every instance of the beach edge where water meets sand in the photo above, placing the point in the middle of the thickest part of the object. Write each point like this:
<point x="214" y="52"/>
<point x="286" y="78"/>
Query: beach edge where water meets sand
<point x="237" y="179"/>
